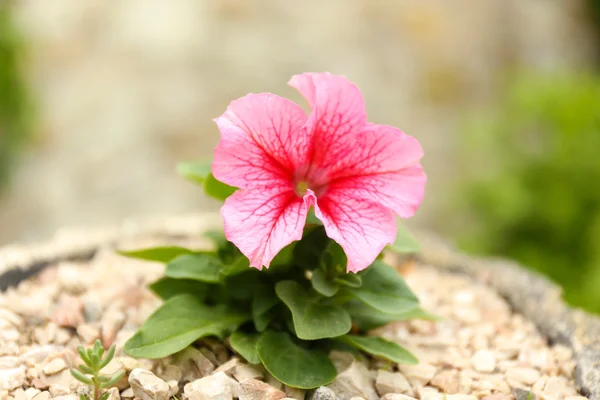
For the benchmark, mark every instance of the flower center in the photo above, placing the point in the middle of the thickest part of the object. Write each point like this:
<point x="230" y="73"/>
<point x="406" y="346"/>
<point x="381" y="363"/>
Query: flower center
<point x="306" y="178"/>
<point x="301" y="188"/>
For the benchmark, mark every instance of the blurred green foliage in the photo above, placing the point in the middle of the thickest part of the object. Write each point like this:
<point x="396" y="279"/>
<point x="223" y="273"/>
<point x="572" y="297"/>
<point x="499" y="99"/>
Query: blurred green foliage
<point x="536" y="194"/>
<point x="14" y="105"/>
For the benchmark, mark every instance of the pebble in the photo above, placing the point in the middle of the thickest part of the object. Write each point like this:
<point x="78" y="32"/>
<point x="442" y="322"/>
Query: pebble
<point x="42" y="396"/>
<point x="173" y="387"/>
<point x="460" y="397"/>
<point x="71" y="278"/>
<point x="447" y="381"/>
<point x="229" y="367"/>
<point x="522" y="394"/>
<point x="527" y="376"/>
<point x="19" y="394"/>
<point x="194" y="364"/>
<point x="12" y="378"/>
<point x="355" y="381"/>
<point x="127" y="393"/>
<point x="396" y="396"/>
<point x="59" y="390"/>
<point x="271" y="380"/>
<point x="497" y="396"/>
<point x="62" y="378"/>
<point x="484" y="361"/>
<point x="55" y="366"/>
<point x="295" y="393"/>
<point x="88" y="333"/>
<point x="391" y="382"/>
<point x="218" y="386"/>
<point x="30" y="393"/>
<point x="429" y="393"/>
<point x="171" y="373"/>
<point x="11" y="317"/>
<point x="418" y="375"/>
<point x="69" y="312"/>
<point x="113" y="394"/>
<point x="147" y="386"/>
<point x="323" y="393"/>
<point x="112" y="321"/>
<point x="252" y="389"/>
<point x="9" y="362"/>
<point x="341" y="359"/>
<point x="555" y="388"/>
<point x="246" y="371"/>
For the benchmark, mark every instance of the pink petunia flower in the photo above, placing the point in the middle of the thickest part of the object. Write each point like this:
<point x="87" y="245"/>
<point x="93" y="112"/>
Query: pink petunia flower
<point x="355" y="174"/>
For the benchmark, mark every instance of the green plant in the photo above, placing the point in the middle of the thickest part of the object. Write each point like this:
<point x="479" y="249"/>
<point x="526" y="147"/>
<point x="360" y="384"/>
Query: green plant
<point x="286" y="317"/>
<point x="14" y="103"/>
<point x="534" y="195"/>
<point x="94" y="360"/>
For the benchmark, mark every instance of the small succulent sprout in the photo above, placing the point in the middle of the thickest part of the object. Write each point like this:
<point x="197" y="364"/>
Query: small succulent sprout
<point x="94" y="360"/>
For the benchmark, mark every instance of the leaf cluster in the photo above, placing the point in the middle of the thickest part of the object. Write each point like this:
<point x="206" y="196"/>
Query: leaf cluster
<point x="287" y="317"/>
<point x="94" y="360"/>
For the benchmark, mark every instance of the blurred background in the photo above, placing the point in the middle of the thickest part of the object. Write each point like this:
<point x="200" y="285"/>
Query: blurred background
<point x="100" y="99"/>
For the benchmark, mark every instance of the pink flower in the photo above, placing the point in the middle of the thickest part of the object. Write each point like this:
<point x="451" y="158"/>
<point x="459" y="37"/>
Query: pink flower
<point x="355" y="174"/>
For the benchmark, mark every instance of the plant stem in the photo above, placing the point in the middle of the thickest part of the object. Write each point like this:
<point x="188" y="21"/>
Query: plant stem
<point x="96" y="390"/>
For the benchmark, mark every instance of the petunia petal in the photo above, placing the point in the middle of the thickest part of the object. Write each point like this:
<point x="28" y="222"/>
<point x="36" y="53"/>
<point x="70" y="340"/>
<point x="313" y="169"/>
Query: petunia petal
<point x="362" y="228"/>
<point x="382" y="166"/>
<point x="262" y="141"/>
<point x="338" y="109"/>
<point x="262" y="222"/>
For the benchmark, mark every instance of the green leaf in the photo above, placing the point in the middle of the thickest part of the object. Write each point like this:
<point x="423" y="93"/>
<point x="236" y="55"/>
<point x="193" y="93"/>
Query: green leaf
<point x="85" y="369"/>
<point x="245" y="345"/>
<point x="243" y="286"/>
<point x="113" y="379"/>
<point x="263" y="303"/>
<point x="405" y="242"/>
<point x="200" y="173"/>
<point x="159" y="254"/>
<point x="380" y="347"/>
<point x="293" y="365"/>
<point x="217" y="237"/>
<point x="385" y="290"/>
<point x="334" y="258"/>
<point x="109" y="356"/>
<point x="238" y="266"/>
<point x="418" y="313"/>
<point x="217" y="189"/>
<point x="195" y="171"/>
<point x="313" y="319"/>
<point x="284" y="257"/>
<point x="166" y="288"/>
<point x="320" y="283"/>
<point x="179" y="322"/>
<point x="368" y="318"/>
<point x="81" y="377"/>
<point x="311" y="218"/>
<point x="349" y="280"/>
<point x="200" y="267"/>
<point x="105" y="395"/>
<point x="307" y="251"/>
<point x="83" y="355"/>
